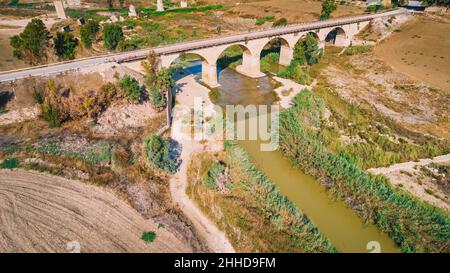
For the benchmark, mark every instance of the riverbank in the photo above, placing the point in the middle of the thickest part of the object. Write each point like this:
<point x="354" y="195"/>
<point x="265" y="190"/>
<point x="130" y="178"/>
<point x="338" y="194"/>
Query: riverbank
<point x="428" y="179"/>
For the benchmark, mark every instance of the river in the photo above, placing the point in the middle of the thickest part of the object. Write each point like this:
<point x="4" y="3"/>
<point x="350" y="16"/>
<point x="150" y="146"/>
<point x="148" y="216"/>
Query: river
<point x="340" y="224"/>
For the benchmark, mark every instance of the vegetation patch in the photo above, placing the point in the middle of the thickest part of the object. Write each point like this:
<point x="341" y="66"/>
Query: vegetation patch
<point x="148" y="236"/>
<point x="10" y="163"/>
<point x="412" y="224"/>
<point x="266" y="221"/>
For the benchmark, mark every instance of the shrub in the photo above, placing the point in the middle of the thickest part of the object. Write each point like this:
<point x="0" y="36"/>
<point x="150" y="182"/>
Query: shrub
<point x="280" y="22"/>
<point x="37" y="97"/>
<point x="210" y="176"/>
<point x="65" y="45"/>
<point x="148" y="236"/>
<point x="296" y="73"/>
<point x="158" y="100"/>
<point x="88" y="33"/>
<point x="9" y="163"/>
<point x="157" y="152"/>
<point x="130" y="88"/>
<point x="328" y="6"/>
<point x="112" y="34"/>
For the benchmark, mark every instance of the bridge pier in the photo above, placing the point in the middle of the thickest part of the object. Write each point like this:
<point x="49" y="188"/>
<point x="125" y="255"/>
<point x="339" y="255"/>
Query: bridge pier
<point x="209" y="74"/>
<point x="250" y="65"/>
<point x="286" y="55"/>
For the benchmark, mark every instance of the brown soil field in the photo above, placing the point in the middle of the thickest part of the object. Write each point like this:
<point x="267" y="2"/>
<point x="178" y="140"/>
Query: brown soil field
<point x="294" y="11"/>
<point x="43" y="213"/>
<point x="421" y="49"/>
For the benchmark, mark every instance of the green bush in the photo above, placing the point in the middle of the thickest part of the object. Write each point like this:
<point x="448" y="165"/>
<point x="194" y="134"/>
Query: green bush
<point x="50" y="113"/>
<point x="280" y="22"/>
<point x="210" y="176"/>
<point x="296" y="73"/>
<point x="65" y="45"/>
<point x="88" y="32"/>
<point x="148" y="237"/>
<point x="157" y="152"/>
<point x="130" y="88"/>
<point x="328" y="6"/>
<point x="37" y="97"/>
<point x="158" y="100"/>
<point x="112" y="34"/>
<point x="9" y="163"/>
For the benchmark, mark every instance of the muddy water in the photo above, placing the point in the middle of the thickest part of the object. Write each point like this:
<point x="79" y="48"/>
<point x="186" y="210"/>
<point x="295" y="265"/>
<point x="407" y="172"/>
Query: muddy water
<point x="336" y="221"/>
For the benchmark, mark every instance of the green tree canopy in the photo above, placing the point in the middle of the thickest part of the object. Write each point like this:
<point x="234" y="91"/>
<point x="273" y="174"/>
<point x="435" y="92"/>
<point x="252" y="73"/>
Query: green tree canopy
<point x="88" y="33"/>
<point x="130" y="88"/>
<point x="31" y="45"/>
<point x="311" y="48"/>
<point x="65" y="45"/>
<point x="328" y="6"/>
<point x="157" y="152"/>
<point x="112" y="34"/>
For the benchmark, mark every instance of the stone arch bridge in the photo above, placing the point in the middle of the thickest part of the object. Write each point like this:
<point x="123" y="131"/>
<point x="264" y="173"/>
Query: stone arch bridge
<point x="339" y="31"/>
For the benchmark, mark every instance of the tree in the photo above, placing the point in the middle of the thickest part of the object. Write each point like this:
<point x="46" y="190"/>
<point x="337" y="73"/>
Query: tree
<point x="299" y="54"/>
<point x="158" y="100"/>
<point x="130" y="88"/>
<point x="112" y="34"/>
<point x="151" y="67"/>
<point x="328" y="6"/>
<point x="31" y="45"/>
<point x="157" y="152"/>
<point x="312" y="51"/>
<point x="65" y="45"/>
<point x="88" y="33"/>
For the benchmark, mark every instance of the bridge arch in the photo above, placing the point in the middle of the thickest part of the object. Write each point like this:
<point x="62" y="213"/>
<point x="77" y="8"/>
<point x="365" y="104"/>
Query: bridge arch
<point x="280" y="45"/>
<point x="337" y="36"/>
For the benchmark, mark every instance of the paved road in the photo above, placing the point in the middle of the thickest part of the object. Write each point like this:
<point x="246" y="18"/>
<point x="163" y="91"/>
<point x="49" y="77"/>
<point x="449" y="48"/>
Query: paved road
<point x="186" y="46"/>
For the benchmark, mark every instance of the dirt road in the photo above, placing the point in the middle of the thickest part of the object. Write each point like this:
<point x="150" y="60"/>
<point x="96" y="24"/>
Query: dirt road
<point x="206" y="229"/>
<point x="43" y="213"/>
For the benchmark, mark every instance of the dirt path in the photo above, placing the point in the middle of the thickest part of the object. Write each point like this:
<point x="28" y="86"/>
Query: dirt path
<point x="207" y="231"/>
<point x="43" y="213"/>
<point x="411" y="177"/>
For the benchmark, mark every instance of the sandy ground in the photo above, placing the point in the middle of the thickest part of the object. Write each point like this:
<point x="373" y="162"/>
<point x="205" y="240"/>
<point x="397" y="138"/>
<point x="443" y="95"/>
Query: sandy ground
<point x="211" y="235"/>
<point x="421" y="50"/>
<point x="288" y="91"/>
<point x="43" y="213"/>
<point x="19" y="115"/>
<point x="407" y="174"/>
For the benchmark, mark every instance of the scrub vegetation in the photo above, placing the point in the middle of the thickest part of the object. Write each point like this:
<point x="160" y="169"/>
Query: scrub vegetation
<point x="266" y="221"/>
